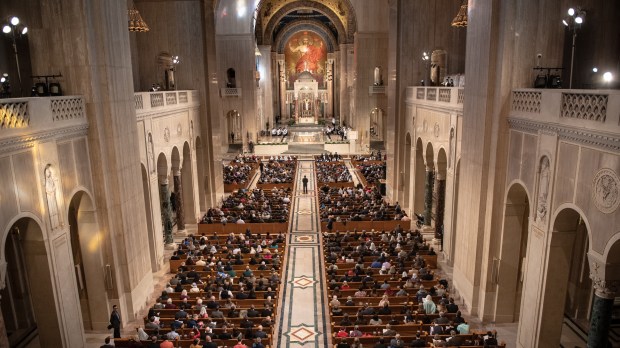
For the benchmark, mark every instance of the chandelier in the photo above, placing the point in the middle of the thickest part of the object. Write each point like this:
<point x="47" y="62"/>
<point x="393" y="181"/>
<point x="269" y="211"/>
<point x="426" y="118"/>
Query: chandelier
<point x="136" y="23"/>
<point x="460" y="20"/>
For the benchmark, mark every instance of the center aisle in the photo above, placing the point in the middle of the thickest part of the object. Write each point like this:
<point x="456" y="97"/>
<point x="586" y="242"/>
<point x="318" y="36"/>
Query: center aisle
<point x="303" y="321"/>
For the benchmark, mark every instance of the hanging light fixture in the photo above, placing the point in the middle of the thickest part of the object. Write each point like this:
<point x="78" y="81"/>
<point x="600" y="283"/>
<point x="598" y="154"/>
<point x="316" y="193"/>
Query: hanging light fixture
<point x="136" y="23"/>
<point x="460" y="20"/>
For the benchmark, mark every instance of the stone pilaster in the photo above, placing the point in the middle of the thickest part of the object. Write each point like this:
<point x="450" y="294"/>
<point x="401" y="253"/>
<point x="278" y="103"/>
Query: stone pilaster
<point x="166" y="211"/>
<point x="441" y="205"/>
<point x="428" y="195"/>
<point x="604" y="294"/>
<point x="178" y="189"/>
<point x="4" y="339"/>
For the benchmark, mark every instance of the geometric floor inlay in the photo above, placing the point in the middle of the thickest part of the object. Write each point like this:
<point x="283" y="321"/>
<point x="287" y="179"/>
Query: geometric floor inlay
<point x="301" y="334"/>
<point x="303" y="282"/>
<point x="304" y="239"/>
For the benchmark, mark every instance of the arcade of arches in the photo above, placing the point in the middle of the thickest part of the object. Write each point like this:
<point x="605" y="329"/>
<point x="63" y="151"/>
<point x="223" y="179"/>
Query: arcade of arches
<point x="516" y="188"/>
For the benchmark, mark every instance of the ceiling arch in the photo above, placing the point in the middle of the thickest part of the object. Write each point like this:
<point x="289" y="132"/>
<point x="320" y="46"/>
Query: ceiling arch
<point x="271" y="12"/>
<point x="305" y="25"/>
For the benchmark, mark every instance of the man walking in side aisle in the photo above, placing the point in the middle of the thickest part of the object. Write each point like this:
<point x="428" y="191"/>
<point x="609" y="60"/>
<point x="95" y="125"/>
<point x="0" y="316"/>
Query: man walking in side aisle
<point x="115" y="322"/>
<point x="305" y="182"/>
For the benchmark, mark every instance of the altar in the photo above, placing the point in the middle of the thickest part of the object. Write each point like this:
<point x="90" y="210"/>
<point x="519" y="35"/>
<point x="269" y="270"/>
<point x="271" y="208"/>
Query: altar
<point x="307" y="103"/>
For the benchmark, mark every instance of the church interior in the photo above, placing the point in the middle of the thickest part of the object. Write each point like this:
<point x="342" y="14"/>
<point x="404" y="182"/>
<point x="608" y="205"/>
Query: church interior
<point x="309" y="173"/>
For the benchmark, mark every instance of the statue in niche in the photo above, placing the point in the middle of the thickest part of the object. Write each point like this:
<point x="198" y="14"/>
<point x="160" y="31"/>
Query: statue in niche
<point x="149" y="153"/>
<point x="543" y="189"/>
<point x="52" y="202"/>
<point x="191" y="134"/>
<point x="378" y="79"/>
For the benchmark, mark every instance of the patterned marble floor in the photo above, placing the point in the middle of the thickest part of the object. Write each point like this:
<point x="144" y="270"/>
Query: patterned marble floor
<point x="303" y="320"/>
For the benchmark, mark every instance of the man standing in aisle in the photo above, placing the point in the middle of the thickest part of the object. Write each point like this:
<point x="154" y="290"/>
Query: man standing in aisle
<point x="115" y="322"/>
<point x="305" y="182"/>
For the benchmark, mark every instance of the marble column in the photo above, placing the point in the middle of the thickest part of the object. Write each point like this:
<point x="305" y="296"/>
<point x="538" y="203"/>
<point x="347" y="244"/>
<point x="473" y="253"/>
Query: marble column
<point x="441" y="204"/>
<point x="604" y="295"/>
<point x="178" y="189"/>
<point x="166" y="211"/>
<point x="282" y="79"/>
<point x="428" y="195"/>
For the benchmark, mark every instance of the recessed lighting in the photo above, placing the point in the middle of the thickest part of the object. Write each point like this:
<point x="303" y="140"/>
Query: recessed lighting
<point x="571" y="11"/>
<point x="607" y="77"/>
<point x="6" y="29"/>
<point x="15" y="21"/>
<point x="595" y="69"/>
<point x="578" y="19"/>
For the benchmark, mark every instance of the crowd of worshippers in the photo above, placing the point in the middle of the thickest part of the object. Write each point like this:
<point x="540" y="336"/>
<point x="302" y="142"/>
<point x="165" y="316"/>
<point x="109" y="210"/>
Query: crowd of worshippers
<point x="242" y="158"/>
<point x="355" y="204"/>
<point x="372" y="172"/>
<point x="372" y="157"/>
<point x="336" y="131"/>
<point x="279" y="170"/>
<point x="328" y="157"/>
<point x="396" y="256"/>
<point x="237" y="174"/>
<point x="332" y="172"/>
<point x="212" y="297"/>
<point x="253" y="206"/>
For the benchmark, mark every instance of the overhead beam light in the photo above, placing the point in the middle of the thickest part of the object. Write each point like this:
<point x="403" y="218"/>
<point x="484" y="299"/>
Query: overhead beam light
<point x="608" y="77"/>
<point x="571" y="11"/>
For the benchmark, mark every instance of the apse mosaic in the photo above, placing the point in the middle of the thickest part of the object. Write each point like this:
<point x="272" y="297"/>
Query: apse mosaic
<point x="305" y="51"/>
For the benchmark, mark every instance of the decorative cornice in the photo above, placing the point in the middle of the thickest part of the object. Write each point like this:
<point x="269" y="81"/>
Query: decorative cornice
<point x="27" y="141"/>
<point x="579" y="135"/>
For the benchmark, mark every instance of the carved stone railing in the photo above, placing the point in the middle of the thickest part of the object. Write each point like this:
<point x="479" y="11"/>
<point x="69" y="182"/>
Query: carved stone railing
<point x="66" y="108"/>
<point x="25" y="117"/>
<point x="441" y="96"/>
<point x="156" y="101"/>
<point x="596" y="110"/>
<point x="14" y="114"/>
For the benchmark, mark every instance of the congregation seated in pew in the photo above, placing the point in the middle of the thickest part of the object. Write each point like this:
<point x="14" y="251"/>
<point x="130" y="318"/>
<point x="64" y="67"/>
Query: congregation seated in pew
<point x="255" y="206"/>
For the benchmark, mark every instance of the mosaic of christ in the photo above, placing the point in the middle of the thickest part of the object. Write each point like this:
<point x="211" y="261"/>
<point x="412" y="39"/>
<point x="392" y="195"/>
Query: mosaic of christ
<point x="305" y="51"/>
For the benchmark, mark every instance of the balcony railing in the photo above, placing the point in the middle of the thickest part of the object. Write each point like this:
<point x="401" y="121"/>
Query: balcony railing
<point x="20" y="116"/>
<point x="156" y="101"/>
<point x="592" y="109"/>
<point x="439" y="96"/>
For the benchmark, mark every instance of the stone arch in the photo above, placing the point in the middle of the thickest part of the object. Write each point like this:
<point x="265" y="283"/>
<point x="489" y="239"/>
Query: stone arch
<point x="163" y="173"/>
<point x="175" y="158"/>
<point x="203" y="183"/>
<point x="29" y="284"/>
<point x="570" y="230"/>
<point x="86" y="247"/>
<point x="150" y="227"/>
<point x="429" y="161"/>
<point x="187" y="175"/>
<point x="307" y="25"/>
<point x="420" y="177"/>
<point x="407" y="172"/>
<point x="441" y="172"/>
<point x="513" y="247"/>
<point x="344" y="35"/>
<point x="234" y="123"/>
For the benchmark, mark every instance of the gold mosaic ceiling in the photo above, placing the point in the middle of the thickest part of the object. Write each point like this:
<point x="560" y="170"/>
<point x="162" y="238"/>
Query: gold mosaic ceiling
<point x="270" y="7"/>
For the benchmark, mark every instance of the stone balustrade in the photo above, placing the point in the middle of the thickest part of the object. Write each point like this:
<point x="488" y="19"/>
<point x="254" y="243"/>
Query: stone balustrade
<point x="35" y="116"/>
<point x="439" y="96"/>
<point x="595" y="110"/>
<point x="149" y="102"/>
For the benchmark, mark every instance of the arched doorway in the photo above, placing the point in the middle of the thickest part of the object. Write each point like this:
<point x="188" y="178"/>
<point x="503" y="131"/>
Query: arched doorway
<point x="407" y="177"/>
<point x="439" y="195"/>
<point x="187" y="178"/>
<point x="88" y="261"/>
<point x="566" y="255"/>
<point x="164" y="197"/>
<point x="377" y="124"/>
<point x="146" y="188"/>
<point x="429" y="186"/>
<point x="176" y="194"/>
<point x="233" y="122"/>
<point x="202" y="179"/>
<point x="28" y="305"/>
<point x="420" y="176"/>
<point x="512" y="254"/>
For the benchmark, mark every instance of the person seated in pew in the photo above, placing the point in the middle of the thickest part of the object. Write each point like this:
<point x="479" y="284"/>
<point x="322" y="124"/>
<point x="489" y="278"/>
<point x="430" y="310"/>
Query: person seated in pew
<point x="418" y="341"/>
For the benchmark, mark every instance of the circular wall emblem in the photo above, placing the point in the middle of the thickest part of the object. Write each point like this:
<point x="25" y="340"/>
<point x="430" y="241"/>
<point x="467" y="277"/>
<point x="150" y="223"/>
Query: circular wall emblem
<point x="606" y="190"/>
<point x="167" y="134"/>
